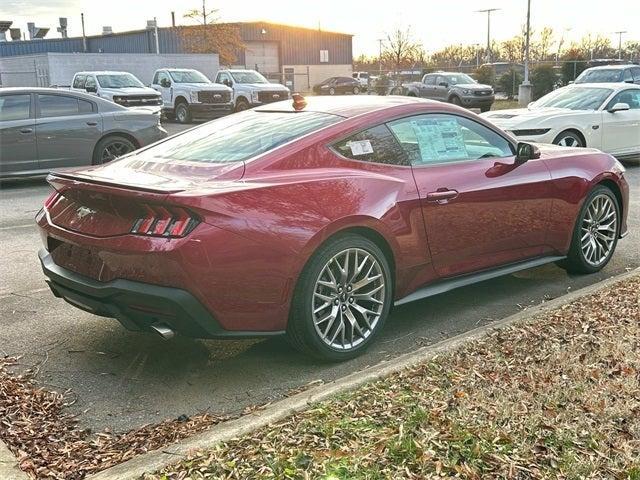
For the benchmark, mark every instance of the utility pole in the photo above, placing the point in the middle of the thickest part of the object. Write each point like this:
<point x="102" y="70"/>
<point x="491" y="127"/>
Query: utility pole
<point x="204" y="12"/>
<point x="620" y="43"/>
<point x="488" y="12"/>
<point x="380" y="40"/>
<point x="155" y="34"/>
<point x="84" y="37"/>
<point x="524" y="91"/>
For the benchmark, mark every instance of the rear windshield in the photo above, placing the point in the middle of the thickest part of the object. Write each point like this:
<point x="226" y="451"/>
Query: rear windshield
<point x="600" y="76"/>
<point x="241" y="136"/>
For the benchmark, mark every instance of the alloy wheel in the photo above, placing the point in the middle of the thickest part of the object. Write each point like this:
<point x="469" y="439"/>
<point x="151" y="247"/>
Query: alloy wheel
<point x="568" y="141"/>
<point x="598" y="230"/>
<point x="348" y="299"/>
<point x="115" y="149"/>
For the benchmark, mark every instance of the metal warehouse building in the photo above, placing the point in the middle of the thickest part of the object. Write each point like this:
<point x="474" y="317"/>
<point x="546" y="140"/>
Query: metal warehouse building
<point x="298" y="57"/>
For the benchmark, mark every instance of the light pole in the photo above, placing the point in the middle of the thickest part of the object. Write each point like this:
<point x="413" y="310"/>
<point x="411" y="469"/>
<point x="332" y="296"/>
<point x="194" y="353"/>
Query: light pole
<point x="380" y="40"/>
<point x="560" y="43"/>
<point x="620" y="43"/>
<point x="488" y="12"/>
<point x="524" y="91"/>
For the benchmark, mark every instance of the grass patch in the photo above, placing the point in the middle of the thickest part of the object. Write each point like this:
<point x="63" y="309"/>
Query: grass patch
<point x="555" y="397"/>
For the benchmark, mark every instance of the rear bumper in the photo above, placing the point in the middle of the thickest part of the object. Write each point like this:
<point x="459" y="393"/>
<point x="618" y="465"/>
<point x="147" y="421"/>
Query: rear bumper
<point x="137" y="305"/>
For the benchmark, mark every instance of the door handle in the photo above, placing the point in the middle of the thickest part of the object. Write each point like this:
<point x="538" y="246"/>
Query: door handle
<point x="26" y="130"/>
<point x="442" y="195"/>
<point x="92" y="124"/>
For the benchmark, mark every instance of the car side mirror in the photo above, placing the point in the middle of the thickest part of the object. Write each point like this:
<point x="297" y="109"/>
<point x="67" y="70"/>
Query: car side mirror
<point x="227" y="82"/>
<point x="526" y="151"/>
<point x="91" y="89"/>
<point x="619" y="107"/>
<point x="165" y="83"/>
<point x="443" y="84"/>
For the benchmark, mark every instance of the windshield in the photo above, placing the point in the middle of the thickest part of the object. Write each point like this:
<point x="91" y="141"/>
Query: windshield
<point x="600" y="76"/>
<point x="460" y="78"/>
<point x="188" y="76"/>
<point x="248" y="77"/>
<point x="118" y="80"/>
<point x="574" y="98"/>
<point x="240" y="136"/>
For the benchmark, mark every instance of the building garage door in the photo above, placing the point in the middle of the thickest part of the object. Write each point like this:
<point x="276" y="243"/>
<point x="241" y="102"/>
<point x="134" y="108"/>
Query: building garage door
<point x="263" y="56"/>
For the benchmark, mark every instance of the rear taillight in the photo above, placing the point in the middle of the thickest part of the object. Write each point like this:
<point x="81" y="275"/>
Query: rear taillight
<point x="51" y="200"/>
<point x="159" y="221"/>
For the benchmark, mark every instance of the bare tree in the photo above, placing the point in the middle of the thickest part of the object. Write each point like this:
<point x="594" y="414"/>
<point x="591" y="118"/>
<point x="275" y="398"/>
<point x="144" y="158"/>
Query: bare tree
<point x="401" y="50"/>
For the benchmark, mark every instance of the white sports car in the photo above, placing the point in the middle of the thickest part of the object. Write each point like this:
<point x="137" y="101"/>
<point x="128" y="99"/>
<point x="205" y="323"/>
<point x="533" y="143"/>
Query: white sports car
<point x="598" y="115"/>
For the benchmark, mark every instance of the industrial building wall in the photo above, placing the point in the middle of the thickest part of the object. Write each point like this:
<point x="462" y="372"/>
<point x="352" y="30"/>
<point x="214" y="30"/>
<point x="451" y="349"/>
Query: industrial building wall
<point x="59" y="68"/>
<point x="25" y="71"/>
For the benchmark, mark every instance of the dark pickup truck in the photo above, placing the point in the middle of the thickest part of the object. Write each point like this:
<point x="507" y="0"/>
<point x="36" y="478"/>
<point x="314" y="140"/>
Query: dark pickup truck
<point x="457" y="88"/>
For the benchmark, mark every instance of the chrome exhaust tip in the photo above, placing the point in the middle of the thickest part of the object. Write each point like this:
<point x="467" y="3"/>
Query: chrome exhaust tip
<point x="164" y="331"/>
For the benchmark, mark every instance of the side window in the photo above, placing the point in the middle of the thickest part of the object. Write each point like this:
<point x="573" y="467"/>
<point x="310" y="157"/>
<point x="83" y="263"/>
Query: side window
<point x="91" y="82"/>
<point x="430" y="80"/>
<point x="376" y="145"/>
<point x="631" y="97"/>
<point x="161" y="76"/>
<point x="14" y="107"/>
<point x="626" y="76"/>
<point x="224" y="77"/>
<point x="84" y="106"/>
<point x="57" y="105"/>
<point x="635" y="71"/>
<point x="440" y="80"/>
<point x="156" y="80"/>
<point x="441" y="138"/>
<point x="79" y="81"/>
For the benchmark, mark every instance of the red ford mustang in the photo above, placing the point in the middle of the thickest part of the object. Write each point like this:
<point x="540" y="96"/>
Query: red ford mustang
<point x="314" y="218"/>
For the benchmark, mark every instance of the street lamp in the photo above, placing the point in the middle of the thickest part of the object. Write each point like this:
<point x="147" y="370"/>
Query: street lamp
<point x="524" y="91"/>
<point x="560" y="43"/>
<point x="620" y="43"/>
<point x="488" y="12"/>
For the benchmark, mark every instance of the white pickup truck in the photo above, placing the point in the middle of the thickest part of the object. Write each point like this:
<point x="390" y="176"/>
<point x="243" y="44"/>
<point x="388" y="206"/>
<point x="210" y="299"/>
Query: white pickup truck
<point x="188" y="94"/>
<point x="251" y="89"/>
<point x="122" y="88"/>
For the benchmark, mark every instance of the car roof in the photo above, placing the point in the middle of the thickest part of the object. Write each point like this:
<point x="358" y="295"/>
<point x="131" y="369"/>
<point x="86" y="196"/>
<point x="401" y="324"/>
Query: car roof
<point x="612" y="67"/>
<point x="103" y="72"/>
<point x="611" y="86"/>
<point x="347" y="106"/>
<point x="178" y="69"/>
<point x="446" y="73"/>
<point x="63" y="91"/>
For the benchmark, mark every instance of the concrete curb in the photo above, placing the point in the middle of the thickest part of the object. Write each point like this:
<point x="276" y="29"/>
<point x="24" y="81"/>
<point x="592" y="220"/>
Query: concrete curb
<point x="155" y="460"/>
<point x="9" y="469"/>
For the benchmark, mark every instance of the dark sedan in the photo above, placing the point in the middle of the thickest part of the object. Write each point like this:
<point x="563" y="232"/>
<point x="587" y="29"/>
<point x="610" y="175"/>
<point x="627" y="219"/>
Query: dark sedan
<point x="46" y="128"/>
<point x="338" y="86"/>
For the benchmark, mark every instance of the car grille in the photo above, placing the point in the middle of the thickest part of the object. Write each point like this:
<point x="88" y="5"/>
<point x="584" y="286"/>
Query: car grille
<point x="214" y="97"/>
<point x="482" y="93"/>
<point x="138" y="100"/>
<point x="268" y="97"/>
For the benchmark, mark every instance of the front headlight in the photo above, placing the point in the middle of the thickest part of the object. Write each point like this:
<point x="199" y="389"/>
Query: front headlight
<point x="193" y="96"/>
<point x="466" y="92"/>
<point x="530" y="132"/>
<point x="255" y="98"/>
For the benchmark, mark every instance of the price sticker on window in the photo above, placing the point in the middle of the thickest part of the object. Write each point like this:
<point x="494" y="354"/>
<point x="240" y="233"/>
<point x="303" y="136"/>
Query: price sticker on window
<point x="360" y="147"/>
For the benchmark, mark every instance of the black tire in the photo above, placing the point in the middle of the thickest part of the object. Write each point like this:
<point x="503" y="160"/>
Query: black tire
<point x="455" y="100"/>
<point x="110" y="148"/>
<point x="485" y="109"/>
<point x="242" y="105"/>
<point x="356" y="90"/>
<point x="183" y="113"/>
<point x="576" y="261"/>
<point x="301" y="330"/>
<point x="568" y="139"/>
<point x="332" y="91"/>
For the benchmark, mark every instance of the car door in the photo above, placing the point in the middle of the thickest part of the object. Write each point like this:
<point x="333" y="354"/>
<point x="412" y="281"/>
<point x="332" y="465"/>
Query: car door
<point x="441" y="88"/>
<point x="481" y="208"/>
<point x="428" y="87"/>
<point x="621" y="129"/>
<point x="67" y="130"/>
<point x="17" y="134"/>
<point x="162" y="83"/>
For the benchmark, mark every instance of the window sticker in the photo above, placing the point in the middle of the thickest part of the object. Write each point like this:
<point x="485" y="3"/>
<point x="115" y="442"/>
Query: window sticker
<point x="360" y="147"/>
<point x="440" y="139"/>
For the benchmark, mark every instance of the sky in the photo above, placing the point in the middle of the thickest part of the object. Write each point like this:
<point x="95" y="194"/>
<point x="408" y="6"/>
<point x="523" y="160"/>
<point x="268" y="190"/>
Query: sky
<point x="433" y="23"/>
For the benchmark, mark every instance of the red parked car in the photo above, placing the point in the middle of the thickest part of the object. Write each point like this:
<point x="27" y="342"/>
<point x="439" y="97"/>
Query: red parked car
<point x="313" y="219"/>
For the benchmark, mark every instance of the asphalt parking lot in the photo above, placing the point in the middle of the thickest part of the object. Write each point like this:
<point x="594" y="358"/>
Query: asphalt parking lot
<point x="123" y="379"/>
